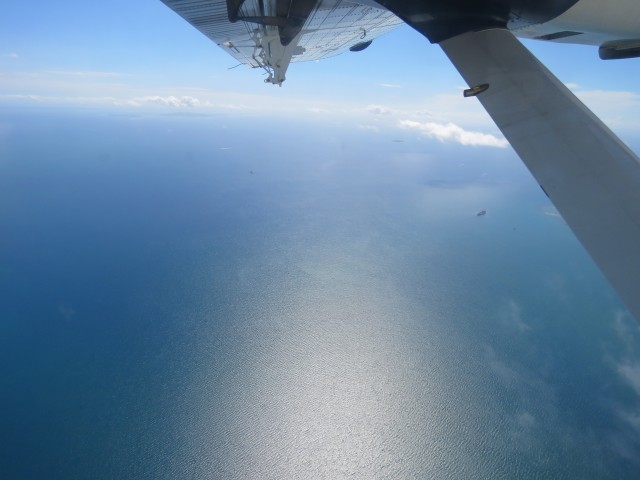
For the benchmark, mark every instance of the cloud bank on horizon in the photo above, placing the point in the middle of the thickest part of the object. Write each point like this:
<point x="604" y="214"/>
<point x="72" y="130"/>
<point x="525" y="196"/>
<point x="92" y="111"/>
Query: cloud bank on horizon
<point x="444" y="117"/>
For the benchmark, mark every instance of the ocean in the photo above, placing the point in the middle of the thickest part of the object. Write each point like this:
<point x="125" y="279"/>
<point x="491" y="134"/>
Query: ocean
<point x="238" y="296"/>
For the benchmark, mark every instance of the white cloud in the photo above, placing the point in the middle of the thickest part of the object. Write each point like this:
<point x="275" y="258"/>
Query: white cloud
<point x="86" y="74"/>
<point x="388" y="85"/>
<point x="630" y="372"/>
<point x="618" y="109"/>
<point x="455" y="108"/>
<point x="20" y="75"/>
<point x="620" y="99"/>
<point x="371" y="128"/>
<point x="526" y="420"/>
<point x="626" y="328"/>
<point x="378" y="110"/>
<point x="11" y="55"/>
<point x="170" y="101"/>
<point x="550" y="211"/>
<point x="453" y="133"/>
<point x="18" y="96"/>
<point x="237" y="106"/>
<point x="631" y="418"/>
<point x="50" y="99"/>
<point x="511" y="315"/>
<point x="56" y="74"/>
<point x="66" y="311"/>
<point x="627" y="365"/>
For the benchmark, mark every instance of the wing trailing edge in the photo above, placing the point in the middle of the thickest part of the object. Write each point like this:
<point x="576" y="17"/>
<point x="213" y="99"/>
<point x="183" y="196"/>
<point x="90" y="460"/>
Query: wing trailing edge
<point x="592" y="178"/>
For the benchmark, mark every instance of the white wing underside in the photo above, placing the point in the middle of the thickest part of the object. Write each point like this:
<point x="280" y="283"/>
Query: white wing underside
<point x="587" y="172"/>
<point x="333" y="27"/>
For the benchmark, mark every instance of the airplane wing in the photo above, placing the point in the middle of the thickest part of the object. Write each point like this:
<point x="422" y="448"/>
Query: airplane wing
<point x="591" y="177"/>
<point x="270" y="35"/>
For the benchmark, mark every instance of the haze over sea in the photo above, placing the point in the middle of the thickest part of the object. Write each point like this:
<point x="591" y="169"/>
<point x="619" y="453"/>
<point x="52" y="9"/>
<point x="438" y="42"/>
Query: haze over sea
<point x="232" y="297"/>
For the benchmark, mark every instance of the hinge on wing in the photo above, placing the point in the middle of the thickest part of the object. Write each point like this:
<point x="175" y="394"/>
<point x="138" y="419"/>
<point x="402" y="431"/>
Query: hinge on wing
<point x="266" y="20"/>
<point x="290" y="16"/>
<point x="233" y="10"/>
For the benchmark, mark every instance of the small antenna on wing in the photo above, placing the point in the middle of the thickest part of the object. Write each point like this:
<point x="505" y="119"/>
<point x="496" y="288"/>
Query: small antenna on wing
<point x="235" y="66"/>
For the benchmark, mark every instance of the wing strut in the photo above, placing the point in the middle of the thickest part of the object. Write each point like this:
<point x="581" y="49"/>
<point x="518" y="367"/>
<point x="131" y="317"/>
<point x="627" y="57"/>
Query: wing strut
<point x="592" y="178"/>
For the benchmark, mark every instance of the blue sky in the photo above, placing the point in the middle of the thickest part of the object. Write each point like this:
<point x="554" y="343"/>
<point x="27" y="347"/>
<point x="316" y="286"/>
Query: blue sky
<point x="142" y="56"/>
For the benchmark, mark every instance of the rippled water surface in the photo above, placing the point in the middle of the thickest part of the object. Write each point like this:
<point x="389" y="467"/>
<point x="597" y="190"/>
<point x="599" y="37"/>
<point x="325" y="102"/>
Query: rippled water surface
<point x="209" y="298"/>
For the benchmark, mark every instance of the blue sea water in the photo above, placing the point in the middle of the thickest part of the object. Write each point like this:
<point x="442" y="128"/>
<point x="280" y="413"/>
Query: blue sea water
<point x="245" y="297"/>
